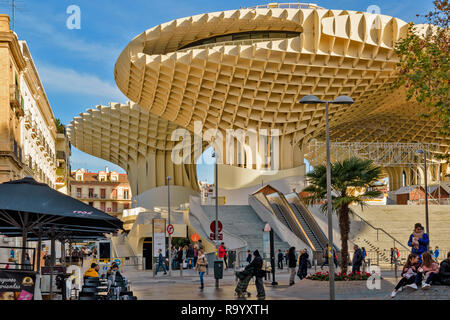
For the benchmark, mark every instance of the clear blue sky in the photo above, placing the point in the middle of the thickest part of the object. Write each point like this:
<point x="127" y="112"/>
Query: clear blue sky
<point x="76" y="66"/>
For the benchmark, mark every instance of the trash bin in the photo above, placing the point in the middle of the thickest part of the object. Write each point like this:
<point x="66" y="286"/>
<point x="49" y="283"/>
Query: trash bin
<point x="218" y="269"/>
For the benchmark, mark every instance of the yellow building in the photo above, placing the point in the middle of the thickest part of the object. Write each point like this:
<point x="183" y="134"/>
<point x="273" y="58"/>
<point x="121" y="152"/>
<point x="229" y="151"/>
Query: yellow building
<point x="27" y="124"/>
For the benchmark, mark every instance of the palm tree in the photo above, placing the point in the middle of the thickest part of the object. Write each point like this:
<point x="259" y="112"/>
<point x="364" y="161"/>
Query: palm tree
<point x="347" y="177"/>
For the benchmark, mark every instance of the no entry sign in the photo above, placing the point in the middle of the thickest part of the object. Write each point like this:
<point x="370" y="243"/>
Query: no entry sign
<point x="213" y="226"/>
<point x="170" y="229"/>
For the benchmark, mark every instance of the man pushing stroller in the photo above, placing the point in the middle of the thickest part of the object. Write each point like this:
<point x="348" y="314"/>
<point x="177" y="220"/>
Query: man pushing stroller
<point x="254" y="269"/>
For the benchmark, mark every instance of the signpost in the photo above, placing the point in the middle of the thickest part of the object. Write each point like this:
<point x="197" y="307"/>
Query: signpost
<point x="159" y="239"/>
<point x="170" y="229"/>
<point x="212" y="235"/>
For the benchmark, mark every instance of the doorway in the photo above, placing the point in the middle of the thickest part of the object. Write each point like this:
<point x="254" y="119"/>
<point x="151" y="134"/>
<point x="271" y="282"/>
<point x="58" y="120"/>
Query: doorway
<point x="147" y="253"/>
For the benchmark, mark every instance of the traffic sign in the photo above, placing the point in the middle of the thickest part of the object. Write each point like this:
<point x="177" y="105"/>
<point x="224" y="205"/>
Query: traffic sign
<point x="117" y="261"/>
<point x="212" y="236"/>
<point x="170" y="229"/>
<point x="212" y="226"/>
<point x="195" y="237"/>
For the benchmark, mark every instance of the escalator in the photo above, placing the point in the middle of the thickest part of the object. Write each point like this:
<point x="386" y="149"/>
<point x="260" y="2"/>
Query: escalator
<point x="315" y="239"/>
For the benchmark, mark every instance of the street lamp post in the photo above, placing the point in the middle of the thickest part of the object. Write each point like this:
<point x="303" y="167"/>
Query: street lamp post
<point x="216" y="229"/>
<point x="168" y="221"/>
<point x="427" y="225"/>
<point x="311" y="99"/>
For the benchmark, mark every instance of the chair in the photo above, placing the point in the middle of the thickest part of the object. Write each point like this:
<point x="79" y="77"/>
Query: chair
<point x="91" y="298"/>
<point x="89" y="290"/>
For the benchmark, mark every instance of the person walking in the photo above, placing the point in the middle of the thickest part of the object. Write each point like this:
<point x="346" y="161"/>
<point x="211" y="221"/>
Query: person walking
<point x="161" y="263"/>
<point x="409" y="273"/>
<point x="195" y="254"/>
<point x="303" y="264"/>
<point x="225" y="257"/>
<point x="27" y="262"/>
<point x="190" y="256"/>
<point x="185" y="249"/>
<point x="221" y="253"/>
<point x="280" y="259"/>
<point x="418" y="241"/>
<point x="286" y="257"/>
<point x="392" y="255"/>
<point x="357" y="259"/>
<point x="258" y="273"/>
<point x="180" y="257"/>
<point x="292" y="263"/>
<point x="201" y="267"/>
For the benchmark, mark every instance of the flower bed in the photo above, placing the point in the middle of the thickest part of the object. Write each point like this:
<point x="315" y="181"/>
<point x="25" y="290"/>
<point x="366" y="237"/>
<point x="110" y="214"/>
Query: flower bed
<point x="324" y="276"/>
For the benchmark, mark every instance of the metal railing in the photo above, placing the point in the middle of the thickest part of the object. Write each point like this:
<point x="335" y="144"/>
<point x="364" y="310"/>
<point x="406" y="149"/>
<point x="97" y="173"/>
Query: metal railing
<point x="380" y="230"/>
<point x="441" y="201"/>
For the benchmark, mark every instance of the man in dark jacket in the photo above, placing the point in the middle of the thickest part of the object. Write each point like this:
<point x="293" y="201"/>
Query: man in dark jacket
<point x="256" y="265"/>
<point x="280" y="259"/>
<point x="292" y="264"/>
<point x="303" y="264"/>
<point x="357" y="259"/>
<point x="444" y="271"/>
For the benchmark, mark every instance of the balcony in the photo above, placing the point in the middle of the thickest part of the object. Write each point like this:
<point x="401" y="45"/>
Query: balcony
<point x="28" y="122"/>
<point x="16" y="100"/>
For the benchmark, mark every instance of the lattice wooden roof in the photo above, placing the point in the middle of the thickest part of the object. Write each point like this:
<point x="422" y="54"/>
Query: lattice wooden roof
<point x="259" y="85"/>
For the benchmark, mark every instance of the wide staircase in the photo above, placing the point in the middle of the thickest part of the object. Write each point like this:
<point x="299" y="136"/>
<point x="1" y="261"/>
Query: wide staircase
<point x="243" y="221"/>
<point x="398" y="221"/>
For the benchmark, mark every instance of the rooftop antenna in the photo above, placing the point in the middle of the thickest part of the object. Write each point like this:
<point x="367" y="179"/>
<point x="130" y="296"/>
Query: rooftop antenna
<point x="15" y="6"/>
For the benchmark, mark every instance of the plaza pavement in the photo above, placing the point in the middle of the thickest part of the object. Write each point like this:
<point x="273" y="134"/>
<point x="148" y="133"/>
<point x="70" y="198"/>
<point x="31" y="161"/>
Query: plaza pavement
<point x="145" y="286"/>
<point x="163" y="287"/>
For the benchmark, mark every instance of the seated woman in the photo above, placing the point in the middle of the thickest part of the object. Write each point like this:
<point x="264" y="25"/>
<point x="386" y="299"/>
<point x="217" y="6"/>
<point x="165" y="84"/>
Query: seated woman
<point x="429" y="269"/>
<point x="409" y="274"/>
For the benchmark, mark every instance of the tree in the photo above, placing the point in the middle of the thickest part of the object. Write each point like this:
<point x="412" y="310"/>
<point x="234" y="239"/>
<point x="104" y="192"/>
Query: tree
<point x="424" y="66"/>
<point x="346" y="177"/>
<point x="59" y="126"/>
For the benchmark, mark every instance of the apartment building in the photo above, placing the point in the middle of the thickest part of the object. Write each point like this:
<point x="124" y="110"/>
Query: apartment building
<point x="27" y="123"/>
<point x="104" y="190"/>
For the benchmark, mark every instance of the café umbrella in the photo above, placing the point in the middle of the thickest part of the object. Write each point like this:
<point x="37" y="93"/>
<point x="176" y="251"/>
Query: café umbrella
<point x="27" y="206"/>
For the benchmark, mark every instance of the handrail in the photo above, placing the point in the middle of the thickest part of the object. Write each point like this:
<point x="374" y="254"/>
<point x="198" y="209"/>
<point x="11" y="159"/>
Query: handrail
<point x="378" y="229"/>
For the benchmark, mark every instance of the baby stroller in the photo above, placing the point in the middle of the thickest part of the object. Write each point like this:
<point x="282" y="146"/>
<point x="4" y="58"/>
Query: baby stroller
<point x="244" y="278"/>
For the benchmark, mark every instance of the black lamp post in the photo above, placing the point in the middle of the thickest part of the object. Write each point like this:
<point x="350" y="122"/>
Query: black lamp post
<point x="311" y="99"/>
<point x="427" y="225"/>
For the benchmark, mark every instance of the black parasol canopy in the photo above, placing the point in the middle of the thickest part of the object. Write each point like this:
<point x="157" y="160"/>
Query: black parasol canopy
<point x="27" y="199"/>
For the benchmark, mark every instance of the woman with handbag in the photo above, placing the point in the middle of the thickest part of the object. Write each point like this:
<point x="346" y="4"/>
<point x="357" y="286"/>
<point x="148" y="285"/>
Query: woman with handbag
<point x="201" y="267"/>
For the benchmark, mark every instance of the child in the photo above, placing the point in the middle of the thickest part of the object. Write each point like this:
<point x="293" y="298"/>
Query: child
<point x="409" y="274"/>
<point x="429" y="268"/>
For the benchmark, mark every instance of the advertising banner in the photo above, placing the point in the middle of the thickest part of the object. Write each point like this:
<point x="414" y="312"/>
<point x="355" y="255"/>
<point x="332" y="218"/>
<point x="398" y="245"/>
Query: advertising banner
<point x="17" y="285"/>
<point x="159" y="236"/>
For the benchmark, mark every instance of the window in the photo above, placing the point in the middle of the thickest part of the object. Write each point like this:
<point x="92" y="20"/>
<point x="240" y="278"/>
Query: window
<point x="114" y="194"/>
<point x="91" y="203"/>
<point x="91" y="192"/>
<point x="125" y="194"/>
<point x="126" y="206"/>
<point x="114" y="207"/>
<point x="103" y="206"/>
<point x="78" y="192"/>
<point x="103" y="193"/>
<point x="114" y="177"/>
<point x="79" y="177"/>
